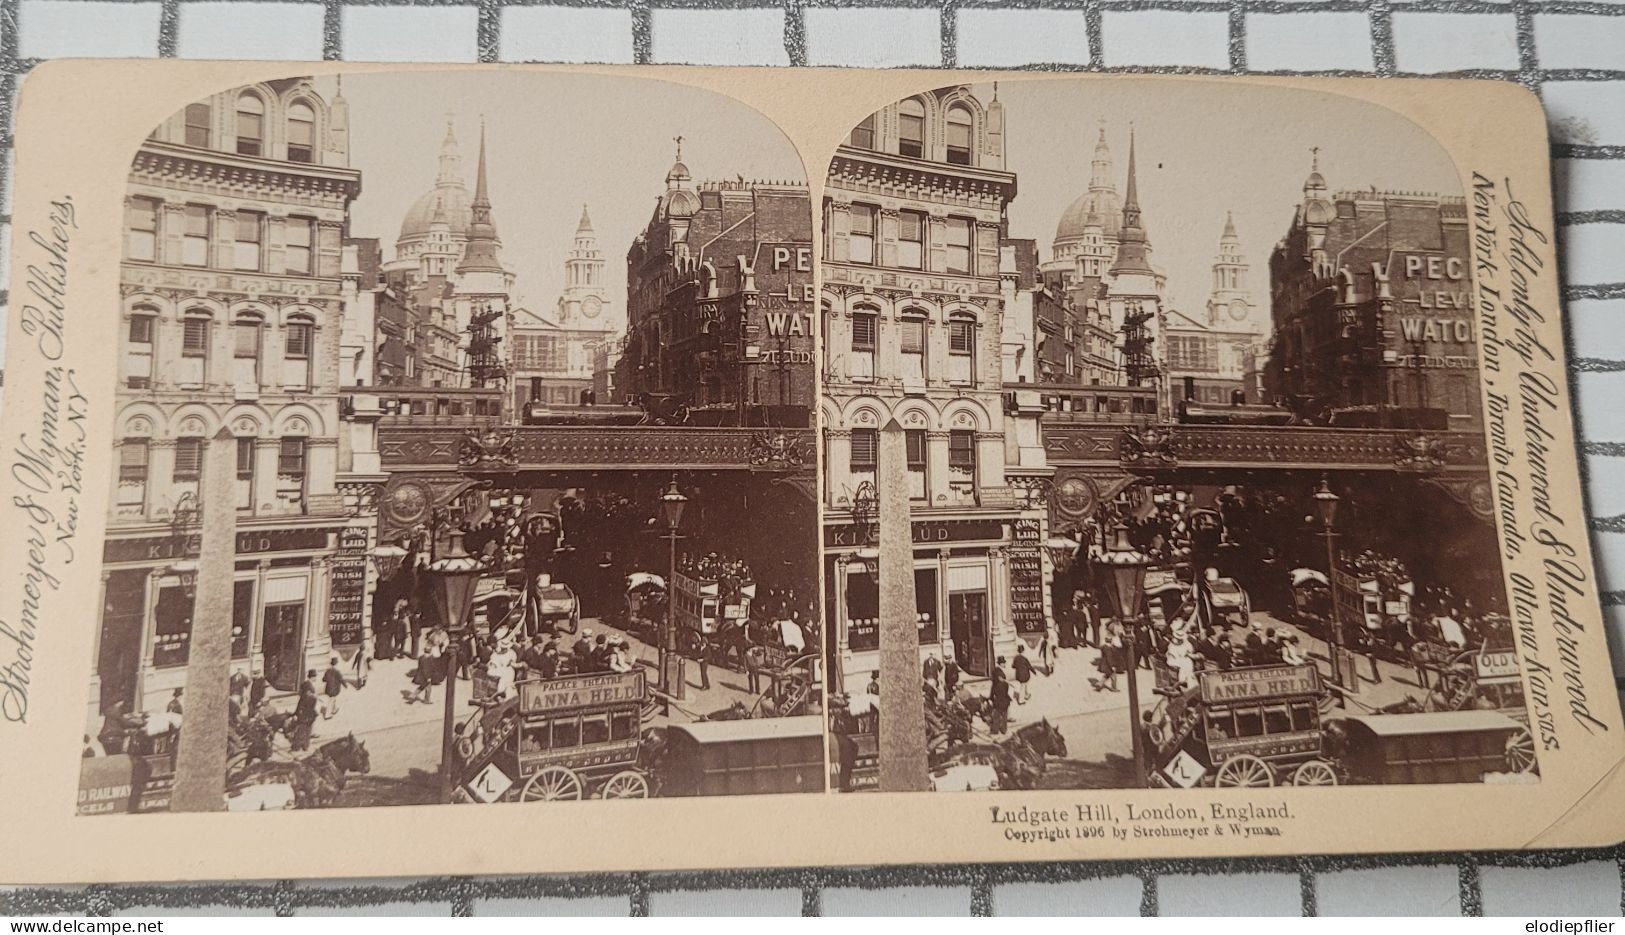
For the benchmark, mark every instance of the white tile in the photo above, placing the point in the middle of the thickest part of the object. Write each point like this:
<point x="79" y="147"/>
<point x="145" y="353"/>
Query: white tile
<point x="603" y="906"/>
<point x="1389" y="891"/>
<point x="411" y="34"/>
<point x="1569" y="40"/>
<point x="1165" y="37"/>
<point x="1608" y="550"/>
<point x="1105" y="896"/>
<point x="1593" y="253"/>
<point x="873" y="37"/>
<point x="1585" y="112"/>
<point x="1597" y="327"/>
<point x="1588" y="184"/>
<point x="566" y="34"/>
<point x="729" y="903"/>
<point x="990" y="38"/>
<point x="1229" y="894"/>
<point x="250" y="30"/>
<point x="1435" y="42"/>
<point x="719" y="37"/>
<point x="1308" y="41"/>
<point x="1605" y="485"/>
<point x="1587" y="889"/>
<point x="896" y="900"/>
<point x="59" y="28"/>
<point x="1601" y="418"/>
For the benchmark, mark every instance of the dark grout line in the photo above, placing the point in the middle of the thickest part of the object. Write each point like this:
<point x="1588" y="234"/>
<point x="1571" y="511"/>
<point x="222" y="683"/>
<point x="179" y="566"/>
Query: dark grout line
<point x="332" y="30"/>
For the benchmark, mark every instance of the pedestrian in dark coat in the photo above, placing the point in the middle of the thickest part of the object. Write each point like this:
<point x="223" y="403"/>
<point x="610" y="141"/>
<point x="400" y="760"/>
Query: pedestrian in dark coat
<point x="950" y="676"/>
<point x="304" y="718"/>
<point x="1024" y="674"/>
<point x="999" y="695"/>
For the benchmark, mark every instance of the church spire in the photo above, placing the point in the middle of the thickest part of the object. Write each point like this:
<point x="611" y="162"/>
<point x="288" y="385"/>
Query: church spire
<point x="451" y="161"/>
<point x="483" y="243"/>
<point x="1229" y="235"/>
<point x="585" y="225"/>
<point x="1133" y="252"/>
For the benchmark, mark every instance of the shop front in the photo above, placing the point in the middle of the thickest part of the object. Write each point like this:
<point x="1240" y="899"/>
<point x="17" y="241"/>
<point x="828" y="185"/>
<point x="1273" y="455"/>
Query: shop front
<point x="962" y="595"/>
<point x="289" y="582"/>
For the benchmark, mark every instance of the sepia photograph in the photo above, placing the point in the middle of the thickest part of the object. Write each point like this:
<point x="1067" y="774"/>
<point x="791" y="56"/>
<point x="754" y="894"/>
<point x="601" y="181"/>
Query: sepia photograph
<point x="1155" y="448"/>
<point x="463" y="451"/>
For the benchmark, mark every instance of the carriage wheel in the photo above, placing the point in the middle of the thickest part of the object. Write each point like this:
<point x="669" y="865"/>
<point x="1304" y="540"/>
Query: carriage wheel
<point x="1246" y="771"/>
<point x="1521" y="751"/>
<point x="1314" y="773"/>
<point x="627" y="784"/>
<point x="551" y="784"/>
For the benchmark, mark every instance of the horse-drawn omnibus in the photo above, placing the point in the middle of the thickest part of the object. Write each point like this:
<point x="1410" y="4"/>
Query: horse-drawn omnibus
<point x="1252" y="726"/>
<point x="705" y="605"/>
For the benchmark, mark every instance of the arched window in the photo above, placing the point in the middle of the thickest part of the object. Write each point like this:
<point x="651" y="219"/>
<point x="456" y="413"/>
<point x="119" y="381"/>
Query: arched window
<point x="959" y="135"/>
<point x="301" y="132"/>
<point x="962" y="348"/>
<point x="863" y="135"/>
<point x="250" y="125"/>
<point x="195" y="338"/>
<point x="911" y="346"/>
<point x="245" y="351"/>
<point x="137" y="360"/>
<point x="198" y="120"/>
<point x="865" y="335"/>
<point x="298" y="351"/>
<point x="911" y="128"/>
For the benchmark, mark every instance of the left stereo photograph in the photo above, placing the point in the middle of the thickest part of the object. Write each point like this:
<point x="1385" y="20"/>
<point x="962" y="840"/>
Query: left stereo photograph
<point x="463" y="431"/>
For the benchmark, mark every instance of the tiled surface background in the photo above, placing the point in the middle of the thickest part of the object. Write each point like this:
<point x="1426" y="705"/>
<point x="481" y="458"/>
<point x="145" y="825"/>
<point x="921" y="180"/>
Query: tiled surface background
<point x="1572" y="52"/>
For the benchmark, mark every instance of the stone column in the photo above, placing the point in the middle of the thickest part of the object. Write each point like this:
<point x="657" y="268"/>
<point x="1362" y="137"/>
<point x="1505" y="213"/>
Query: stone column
<point x="837" y="466"/>
<point x="321" y="466"/>
<point x="990" y="459"/>
<point x="903" y="763"/>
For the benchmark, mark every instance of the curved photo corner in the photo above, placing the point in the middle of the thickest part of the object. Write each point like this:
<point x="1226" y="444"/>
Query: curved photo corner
<point x="1165" y="381"/>
<point x="499" y="385"/>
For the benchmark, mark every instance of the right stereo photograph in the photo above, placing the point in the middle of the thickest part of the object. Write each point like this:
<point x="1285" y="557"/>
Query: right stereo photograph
<point x="1180" y="406"/>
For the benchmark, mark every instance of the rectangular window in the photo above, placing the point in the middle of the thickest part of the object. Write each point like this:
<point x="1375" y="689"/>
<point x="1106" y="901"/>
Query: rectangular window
<point x="195" y="236"/>
<point x="290" y="457"/>
<point x="863" y="233"/>
<point x="863" y="332"/>
<point x="911" y="130"/>
<point x="911" y="240"/>
<point x="300" y="239"/>
<point x="959" y="140"/>
<point x="861" y="362"/>
<point x="961" y="351"/>
<point x="959" y="244"/>
<point x="197" y="125"/>
<point x="962" y="462"/>
<point x="141" y="235"/>
<point x="250" y="237"/>
<point x="914" y="441"/>
<point x="172" y="625"/>
<point x="865" y="450"/>
<point x="141" y="329"/>
<point x="195" y="337"/>
<point x="245" y="474"/>
<point x="188" y="458"/>
<point x="242" y="617"/>
<point x="132" y="475"/>
<point x="298" y="344"/>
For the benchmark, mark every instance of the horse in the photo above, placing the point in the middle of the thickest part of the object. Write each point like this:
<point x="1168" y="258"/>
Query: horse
<point x="1019" y="758"/>
<point x="313" y="782"/>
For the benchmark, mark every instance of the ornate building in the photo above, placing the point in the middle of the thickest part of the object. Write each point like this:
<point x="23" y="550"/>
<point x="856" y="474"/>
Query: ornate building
<point x="1371" y="307"/>
<point x="448" y="262"/>
<point x="719" y="303"/>
<point x="1089" y="231"/>
<point x="231" y="316"/>
<point x="913" y="322"/>
<point x="1208" y="358"/>
<point x="554" y="360"/>
<point x="1134" y="298"/>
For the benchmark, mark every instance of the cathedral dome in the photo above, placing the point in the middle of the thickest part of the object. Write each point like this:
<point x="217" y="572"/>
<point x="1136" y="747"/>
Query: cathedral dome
<point x="1105" y="211"/>
<point x="452" y="199"/>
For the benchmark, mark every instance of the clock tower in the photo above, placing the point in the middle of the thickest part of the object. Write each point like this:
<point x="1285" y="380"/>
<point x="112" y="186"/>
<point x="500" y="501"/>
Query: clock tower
<point x="1228" y="306"/>
<point x="582" y="303"/>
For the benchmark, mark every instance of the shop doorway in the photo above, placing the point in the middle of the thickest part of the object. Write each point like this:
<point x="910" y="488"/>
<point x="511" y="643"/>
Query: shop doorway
<point x="284" y="645"/>
<point x="118" y="658"/>
<point x="967" y="626"/>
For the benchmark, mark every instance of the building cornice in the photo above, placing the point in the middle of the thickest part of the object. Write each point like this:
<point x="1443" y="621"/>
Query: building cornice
<point x="200" y="166"/>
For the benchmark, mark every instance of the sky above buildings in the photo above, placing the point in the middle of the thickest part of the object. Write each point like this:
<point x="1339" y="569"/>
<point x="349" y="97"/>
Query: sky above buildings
<point x="553" y="143"/>
<point x="1204" y="148"/>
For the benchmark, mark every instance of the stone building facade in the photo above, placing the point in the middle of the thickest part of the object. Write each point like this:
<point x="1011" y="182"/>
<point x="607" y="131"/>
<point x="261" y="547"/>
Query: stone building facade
<point x="230" y="315"/>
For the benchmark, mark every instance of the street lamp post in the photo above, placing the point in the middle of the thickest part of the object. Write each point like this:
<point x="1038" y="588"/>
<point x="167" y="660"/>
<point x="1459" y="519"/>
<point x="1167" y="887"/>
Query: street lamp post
<point x="672" y="677"/>
<point x="453" y="576"/>
<point x="1127" y="567"/>
<point x="1326" y="503"/>
<point x="1063" y="552"/>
